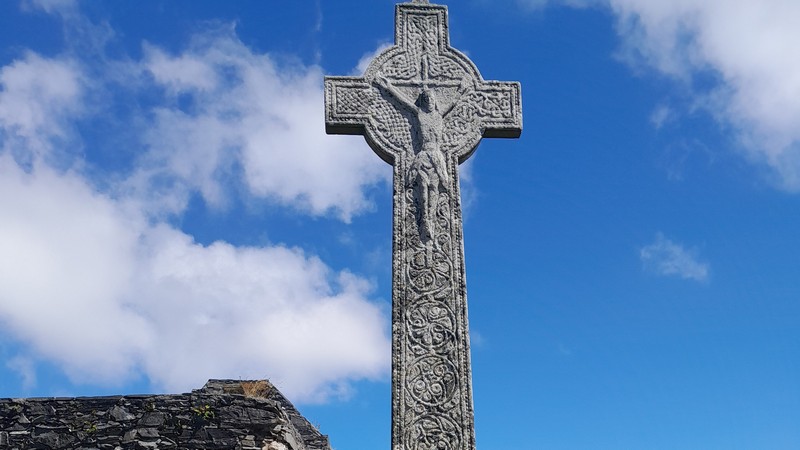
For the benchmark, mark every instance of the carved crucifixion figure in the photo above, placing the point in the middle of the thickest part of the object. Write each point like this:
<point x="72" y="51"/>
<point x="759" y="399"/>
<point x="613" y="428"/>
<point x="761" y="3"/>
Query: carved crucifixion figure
<point x="423" y="108"/>
<point x="427" y="173"/>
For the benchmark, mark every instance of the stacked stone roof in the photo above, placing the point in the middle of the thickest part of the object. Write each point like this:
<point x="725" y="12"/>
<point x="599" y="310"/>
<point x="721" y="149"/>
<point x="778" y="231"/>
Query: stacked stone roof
<point x="224" y="414"/>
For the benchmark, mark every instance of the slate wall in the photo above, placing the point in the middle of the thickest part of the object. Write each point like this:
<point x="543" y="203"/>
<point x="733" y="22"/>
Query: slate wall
<point x="218" y="416"/>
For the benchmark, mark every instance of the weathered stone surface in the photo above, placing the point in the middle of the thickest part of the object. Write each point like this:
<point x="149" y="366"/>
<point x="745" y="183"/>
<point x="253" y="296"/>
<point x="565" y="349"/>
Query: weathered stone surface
<point x="219" y="416"/>
<point x="120" y="414"/>
<point x="153" y="419"/>
<point x="424" y="107"/>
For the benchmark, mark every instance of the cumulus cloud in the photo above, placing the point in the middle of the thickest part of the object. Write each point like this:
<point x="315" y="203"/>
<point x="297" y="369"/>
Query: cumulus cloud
<point x="271" y="310"/>
<point x="748" y="47"/>
<point x="64" y="250"/>
<point x="37" y="98"/>
<point x="96" y="282"/>
<point x="92" y="286"/>
<point x="736" y="58"/>
<point x="667" y="258"/>
<point x="246" y="112"/>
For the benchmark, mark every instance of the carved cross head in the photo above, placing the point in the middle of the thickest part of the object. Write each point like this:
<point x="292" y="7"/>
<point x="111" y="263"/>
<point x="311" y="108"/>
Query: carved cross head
<point x="422" y="92"/>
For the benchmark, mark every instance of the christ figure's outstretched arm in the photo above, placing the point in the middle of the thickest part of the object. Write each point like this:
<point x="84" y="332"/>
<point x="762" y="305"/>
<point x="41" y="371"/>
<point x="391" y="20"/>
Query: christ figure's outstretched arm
<point x="384" y="82"/>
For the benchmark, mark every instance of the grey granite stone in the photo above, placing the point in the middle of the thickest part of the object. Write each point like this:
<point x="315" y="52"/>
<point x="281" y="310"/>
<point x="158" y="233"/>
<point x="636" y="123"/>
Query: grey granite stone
<point x="424" y="107"/>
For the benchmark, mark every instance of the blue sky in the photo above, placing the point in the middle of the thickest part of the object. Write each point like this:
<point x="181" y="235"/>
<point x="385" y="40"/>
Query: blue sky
<point x="172" y="211"/>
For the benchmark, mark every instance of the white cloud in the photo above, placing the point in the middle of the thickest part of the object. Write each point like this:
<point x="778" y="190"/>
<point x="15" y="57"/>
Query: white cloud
<point x="736" y="58"/>
<point x="93" y="281"/>
<point x="88" y="284"/>
<point x="25" y="368"/>
<point x="366" y="59"/>
<point x="247" y="112"/>
<point x="51" y="6"/>
<point x="259" y="311"/>
<point x="66" y="256"/>
<point x="476" y="339"/>
<point x="660" y="116"/>
<point x="748" y="47"/>
<point x="667" y="258"/>
<point x="38" y="96"/>
<point x="470" y="194"/>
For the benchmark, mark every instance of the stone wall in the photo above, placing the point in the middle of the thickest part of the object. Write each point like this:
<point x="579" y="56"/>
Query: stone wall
<point x="224" y="414"/>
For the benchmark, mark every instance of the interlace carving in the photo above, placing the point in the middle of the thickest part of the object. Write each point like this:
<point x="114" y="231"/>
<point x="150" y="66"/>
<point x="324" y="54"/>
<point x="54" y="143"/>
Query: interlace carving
<point x="423" y="107"/>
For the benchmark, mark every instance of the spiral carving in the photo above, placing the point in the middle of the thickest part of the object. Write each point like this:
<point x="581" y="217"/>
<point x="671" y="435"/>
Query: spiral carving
<point x="433" y="433"/>
<point x="433" y="380"/>
<point x="431" y="327"/>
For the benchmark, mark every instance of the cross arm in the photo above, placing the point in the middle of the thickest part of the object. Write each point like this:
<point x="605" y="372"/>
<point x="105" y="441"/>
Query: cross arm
<point x="347" y="101"/>
<point x="492" y="110"/>
<point x="499" y="104"/>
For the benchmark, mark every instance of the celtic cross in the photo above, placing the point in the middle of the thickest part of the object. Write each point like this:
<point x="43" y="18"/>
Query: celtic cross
<point x="423" y="107"/>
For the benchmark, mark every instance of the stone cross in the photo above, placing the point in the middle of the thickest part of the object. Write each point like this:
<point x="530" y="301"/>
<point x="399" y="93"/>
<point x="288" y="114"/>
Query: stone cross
<point x="423" y="108"/>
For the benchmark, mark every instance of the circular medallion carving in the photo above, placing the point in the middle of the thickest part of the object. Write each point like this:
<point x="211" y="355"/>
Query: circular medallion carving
<point x="431" y="325"/>
<point x="432" y="380"/>
<point x="433" y="432"/>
